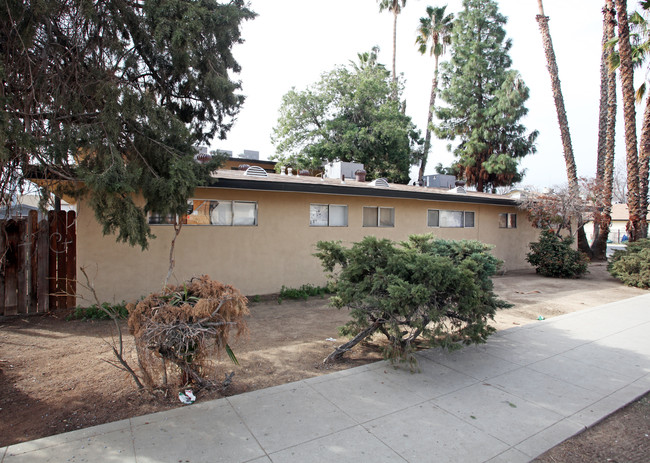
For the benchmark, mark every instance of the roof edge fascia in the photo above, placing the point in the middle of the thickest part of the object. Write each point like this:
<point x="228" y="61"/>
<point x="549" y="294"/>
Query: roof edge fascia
<point x="343" y="190"/>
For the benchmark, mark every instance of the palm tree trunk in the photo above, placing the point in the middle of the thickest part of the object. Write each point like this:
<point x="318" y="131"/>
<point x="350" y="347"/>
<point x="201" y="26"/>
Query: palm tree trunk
<point x="599" y="247"/>
<point x="602" y="131"/>
<point x="629" y="116"/>
<point x="432" y="102"/>
<point x="563" y="122"/>
<point x="602" y="113"/>
<point x="644" y="161"/>
<point x="559" y="100"/>
<point x="394" y="44"/>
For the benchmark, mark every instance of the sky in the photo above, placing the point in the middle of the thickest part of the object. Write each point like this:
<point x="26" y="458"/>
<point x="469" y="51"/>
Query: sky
<point x="292" y="42"/>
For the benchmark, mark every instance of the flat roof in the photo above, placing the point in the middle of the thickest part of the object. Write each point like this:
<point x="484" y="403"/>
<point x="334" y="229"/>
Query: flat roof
<point x="234" y="179"/>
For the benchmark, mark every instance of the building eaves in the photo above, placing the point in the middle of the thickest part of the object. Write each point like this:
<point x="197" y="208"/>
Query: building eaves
<point x="356" y="189"/>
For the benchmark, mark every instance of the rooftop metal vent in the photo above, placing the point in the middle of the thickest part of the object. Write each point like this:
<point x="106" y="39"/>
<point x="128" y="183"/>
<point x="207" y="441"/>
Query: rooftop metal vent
<point x="256" y="171"/>
<point x="381" y="182"/>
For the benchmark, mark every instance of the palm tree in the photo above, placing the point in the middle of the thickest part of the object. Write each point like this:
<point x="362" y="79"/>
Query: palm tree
<point x="629" y="116"/>
<point x="395" y="6"/>
<point x="434" y="34"/>
<point x="640" y="53"/>
<point x="607" y="126"/>
<point x="565" y="135"/>
<point x="572" y="176"/>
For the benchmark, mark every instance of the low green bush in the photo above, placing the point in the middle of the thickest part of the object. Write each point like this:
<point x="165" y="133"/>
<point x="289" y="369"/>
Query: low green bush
<point x="632" y="265"/>
<point x="96" y="313"/>
<point x="553" y="256"/>
<point x="304" y="292"/>
<point x="424" y="292"/>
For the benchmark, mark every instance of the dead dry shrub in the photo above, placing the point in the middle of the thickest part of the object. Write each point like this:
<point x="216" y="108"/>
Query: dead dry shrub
<point x="180" y="332"/>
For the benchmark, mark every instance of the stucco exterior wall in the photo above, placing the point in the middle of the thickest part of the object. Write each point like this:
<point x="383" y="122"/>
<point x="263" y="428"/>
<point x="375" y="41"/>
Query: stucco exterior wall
<point x="278" y="251"/>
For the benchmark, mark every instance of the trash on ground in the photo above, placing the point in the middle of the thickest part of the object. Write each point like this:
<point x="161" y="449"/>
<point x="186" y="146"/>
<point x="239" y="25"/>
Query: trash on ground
<point x="331" y="339"/>
<point x="185" y="399"/>
<point x="541" y="317"/>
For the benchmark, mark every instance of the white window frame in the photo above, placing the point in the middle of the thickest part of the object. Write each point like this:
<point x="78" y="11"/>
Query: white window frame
<point x="464" y="218"/>
<point x="378" y="209"/>
<point x="329" y="215"/>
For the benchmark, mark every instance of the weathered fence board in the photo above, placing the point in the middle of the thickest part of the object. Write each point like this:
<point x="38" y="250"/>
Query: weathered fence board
<point x="71" y="259"/>
<point x="11" y="268"/>
<point x="32" y="284"/>
<point x="21" y="272"/>
<point x="43" y="267"/>
<point x="3" y="255"/>
<point x="37" y="263"/>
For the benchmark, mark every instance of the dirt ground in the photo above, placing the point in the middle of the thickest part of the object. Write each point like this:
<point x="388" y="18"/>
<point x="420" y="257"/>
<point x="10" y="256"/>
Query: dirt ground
<point x="54" y="376"/>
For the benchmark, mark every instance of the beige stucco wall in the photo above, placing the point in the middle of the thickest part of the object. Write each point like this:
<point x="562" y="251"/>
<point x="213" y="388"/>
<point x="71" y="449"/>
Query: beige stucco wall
<point x="278" y="251"/>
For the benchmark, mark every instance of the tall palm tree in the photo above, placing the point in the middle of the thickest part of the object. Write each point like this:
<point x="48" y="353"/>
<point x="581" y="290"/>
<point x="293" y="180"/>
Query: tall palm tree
<point x="569" y="159"/>
<point x="629" y="116"/>
<point x="434" y="34"/>
<point x="394" y="6"/>
<point x="563" y="122"/>
<point x="640" y="53"/>
<point x="607" y="126"/>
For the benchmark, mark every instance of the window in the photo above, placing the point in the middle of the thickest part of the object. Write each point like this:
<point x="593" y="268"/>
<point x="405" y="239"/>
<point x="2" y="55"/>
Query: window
<point x="161" y="219"/>
<point x="218" y="212"/>
<point x="378" y="216"/>
<point x="450" y="219"/>
<point x="507" y="220"/>
<point x="433" y="218"/>
<point x="328" y="215"/>
<point x="469" y="219"/>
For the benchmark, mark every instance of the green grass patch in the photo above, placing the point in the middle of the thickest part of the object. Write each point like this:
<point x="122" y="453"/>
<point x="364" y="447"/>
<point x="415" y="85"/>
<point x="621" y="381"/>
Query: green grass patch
<point x="304" y="292"/>
<point x="96" y="313"/>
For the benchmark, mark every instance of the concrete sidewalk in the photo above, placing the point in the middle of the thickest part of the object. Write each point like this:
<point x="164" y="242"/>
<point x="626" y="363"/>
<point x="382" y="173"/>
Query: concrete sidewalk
<point x="528" y="389"/>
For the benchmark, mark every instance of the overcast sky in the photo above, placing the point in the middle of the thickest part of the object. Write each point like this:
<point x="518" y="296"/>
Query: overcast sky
<point x="292" y="42"/>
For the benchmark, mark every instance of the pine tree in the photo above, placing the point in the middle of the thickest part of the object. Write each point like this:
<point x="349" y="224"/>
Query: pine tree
<point x="484" y="100"/>
<point x="115" y="96"/>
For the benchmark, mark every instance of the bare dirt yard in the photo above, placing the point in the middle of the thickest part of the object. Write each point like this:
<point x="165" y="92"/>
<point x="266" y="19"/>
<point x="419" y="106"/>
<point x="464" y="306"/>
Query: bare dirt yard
<point x="54" y="376"/>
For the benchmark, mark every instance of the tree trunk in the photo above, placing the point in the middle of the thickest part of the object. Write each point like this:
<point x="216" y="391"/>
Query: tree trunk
<point x="339" y="351"/>
<point x="559" y="102"/>
<point x="562" y="120"/>
<point x="599" y="247"/>
<point x="629" y="116"/>
<point x="644" y="161"/>
<point x="602" y="112"/>
<point x="178" y="224"/>
<point x="394" y="44"/>
<point x="427" y="138"/>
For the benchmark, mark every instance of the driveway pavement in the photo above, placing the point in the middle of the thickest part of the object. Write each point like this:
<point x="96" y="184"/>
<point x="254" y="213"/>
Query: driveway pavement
<point x="526" y="390"/>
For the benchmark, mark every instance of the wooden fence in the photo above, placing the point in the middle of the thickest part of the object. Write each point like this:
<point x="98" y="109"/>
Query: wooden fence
<point x="38" y="263"/>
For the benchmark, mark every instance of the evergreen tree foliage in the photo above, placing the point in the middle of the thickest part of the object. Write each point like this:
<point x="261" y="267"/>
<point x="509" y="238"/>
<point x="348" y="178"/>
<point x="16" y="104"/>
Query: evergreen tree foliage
<point x="115" y="96"/>
<point x="632" y="264"/>
<point x="484" y="100"/>
<point x="348" y="115"/>
<point x="435" y="291"/>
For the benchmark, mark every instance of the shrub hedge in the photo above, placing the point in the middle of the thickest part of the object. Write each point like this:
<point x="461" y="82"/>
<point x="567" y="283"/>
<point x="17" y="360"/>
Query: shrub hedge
<point x="632" y="265"/>
<point x="553" y="256"/>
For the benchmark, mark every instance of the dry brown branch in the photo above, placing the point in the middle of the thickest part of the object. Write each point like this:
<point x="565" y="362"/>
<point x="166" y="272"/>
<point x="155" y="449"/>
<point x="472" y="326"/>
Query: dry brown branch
<point x="186" y="326"/>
